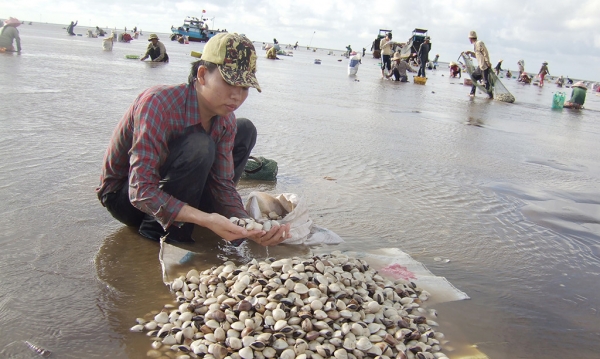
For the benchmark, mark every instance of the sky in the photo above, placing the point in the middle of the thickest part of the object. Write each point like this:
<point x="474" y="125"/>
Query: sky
<point x="564" y="33"/>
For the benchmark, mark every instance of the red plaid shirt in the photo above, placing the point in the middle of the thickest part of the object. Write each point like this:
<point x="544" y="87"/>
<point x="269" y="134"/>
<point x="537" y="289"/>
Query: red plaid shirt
<point x="138" y="148"/>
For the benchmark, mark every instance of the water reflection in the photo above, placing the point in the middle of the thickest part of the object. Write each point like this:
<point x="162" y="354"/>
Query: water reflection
<point x="128" y="267"/>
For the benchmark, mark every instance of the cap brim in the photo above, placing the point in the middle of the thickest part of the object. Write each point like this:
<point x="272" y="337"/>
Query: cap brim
<point x="239" y="78"/>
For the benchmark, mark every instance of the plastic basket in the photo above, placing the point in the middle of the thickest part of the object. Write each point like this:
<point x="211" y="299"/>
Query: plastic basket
<point x="420" y="80"/>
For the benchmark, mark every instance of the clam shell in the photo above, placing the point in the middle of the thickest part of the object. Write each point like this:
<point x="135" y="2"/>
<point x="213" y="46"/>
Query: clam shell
<point x="246" y="353"/>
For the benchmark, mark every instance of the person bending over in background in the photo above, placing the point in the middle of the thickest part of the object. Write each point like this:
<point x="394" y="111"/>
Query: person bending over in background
<point x="498" y="67"/>
<point x="177" y="154"/>
<point x="272" y="53"/>
<point x="455" y="70"/>
<point x="156" y="50"/>
<point x="524" y="78"/>
<point x="8" y="34"/>
<point x="578" y="93"/>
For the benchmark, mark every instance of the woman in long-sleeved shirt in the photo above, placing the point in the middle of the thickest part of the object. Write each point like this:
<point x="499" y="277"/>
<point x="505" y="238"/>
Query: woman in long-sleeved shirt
<point x="9" y="33"/>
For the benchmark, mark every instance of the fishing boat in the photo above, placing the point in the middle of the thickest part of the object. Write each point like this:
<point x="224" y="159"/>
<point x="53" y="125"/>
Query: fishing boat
<point x="195" y="29"/>
<point x="410" y="50"/>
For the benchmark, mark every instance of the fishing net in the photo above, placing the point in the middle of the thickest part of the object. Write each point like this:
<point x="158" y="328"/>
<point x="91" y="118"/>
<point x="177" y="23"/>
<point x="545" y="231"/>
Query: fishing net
<point x="496" y="87"/>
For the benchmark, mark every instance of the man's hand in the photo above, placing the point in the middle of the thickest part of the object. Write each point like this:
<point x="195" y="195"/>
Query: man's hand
<point x="276" y="235"/>
<point x="227" y="230"/>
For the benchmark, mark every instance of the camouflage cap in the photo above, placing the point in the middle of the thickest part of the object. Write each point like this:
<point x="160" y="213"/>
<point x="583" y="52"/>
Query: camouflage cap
<point x="236" y="58"/>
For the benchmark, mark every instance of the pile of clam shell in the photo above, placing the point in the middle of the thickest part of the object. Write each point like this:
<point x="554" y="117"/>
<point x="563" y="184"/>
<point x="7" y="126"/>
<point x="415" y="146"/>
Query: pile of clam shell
<point x="505" y="97"/>
<point x="330" y="306"/>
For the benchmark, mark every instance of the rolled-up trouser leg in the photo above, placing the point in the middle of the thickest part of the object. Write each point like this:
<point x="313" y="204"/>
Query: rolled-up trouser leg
<point x="183" y="175"/>
<point x="475" y="77"/>
<point x="245" y="139"/>
<point x="486" y="78"/>
<point x="422" y="68"/>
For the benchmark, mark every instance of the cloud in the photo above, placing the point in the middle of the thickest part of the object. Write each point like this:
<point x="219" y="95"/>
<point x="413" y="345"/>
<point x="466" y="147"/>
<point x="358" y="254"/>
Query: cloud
<point x="563" y="32"/>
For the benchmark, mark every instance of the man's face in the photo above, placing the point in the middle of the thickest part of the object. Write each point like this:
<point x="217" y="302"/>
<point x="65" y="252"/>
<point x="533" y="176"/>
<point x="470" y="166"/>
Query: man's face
<point x="218" y="96"/>
<point x="154" y="41"/>
<point x="472" y="40"/>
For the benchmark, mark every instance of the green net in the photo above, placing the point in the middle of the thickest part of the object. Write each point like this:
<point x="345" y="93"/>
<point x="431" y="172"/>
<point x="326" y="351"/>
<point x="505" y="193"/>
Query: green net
<point x="497" y="88"/>
<point x="260" y="168"/>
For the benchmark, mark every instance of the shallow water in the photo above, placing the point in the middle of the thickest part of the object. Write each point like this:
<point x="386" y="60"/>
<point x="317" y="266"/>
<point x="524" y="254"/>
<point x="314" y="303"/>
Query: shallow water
<point x="508" y="192"/>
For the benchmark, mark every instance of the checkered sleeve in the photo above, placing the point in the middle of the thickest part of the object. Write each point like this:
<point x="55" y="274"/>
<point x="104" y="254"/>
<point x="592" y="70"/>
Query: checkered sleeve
<point x="150" y="139"/>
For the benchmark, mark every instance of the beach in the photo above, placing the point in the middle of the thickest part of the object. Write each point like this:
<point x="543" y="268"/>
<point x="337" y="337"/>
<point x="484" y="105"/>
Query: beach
<point x="508" y="193"/>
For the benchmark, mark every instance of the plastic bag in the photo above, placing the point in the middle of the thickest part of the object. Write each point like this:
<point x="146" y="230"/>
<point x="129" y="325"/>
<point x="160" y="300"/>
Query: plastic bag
<point x="558" y="100"/>
<point x="294" y="211"/>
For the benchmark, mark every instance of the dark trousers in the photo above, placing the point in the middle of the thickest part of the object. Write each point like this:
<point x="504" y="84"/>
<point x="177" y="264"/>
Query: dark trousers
<point x="479" y="75"/>
<point x="397" y="76"/>
<point x="155" y="52"/>
<point x="386" y="62"/>
<point x="183" y="175"/>
<point x="422" y="68"/>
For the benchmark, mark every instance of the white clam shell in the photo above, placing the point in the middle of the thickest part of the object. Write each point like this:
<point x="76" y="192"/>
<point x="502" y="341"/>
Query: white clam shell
<point x="246" y="353"/>
<point x="162" y="317"/>
<point x="137" y="328"/>
<point x="267" y="226"/>
<point x="364" y="344"/>
<point x="278" y="314"/>
<point x="300" y="288"/>
<point x="287" y="354"/>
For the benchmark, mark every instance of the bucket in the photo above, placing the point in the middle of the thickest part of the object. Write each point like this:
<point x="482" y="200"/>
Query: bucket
<point x="558" y="100"/>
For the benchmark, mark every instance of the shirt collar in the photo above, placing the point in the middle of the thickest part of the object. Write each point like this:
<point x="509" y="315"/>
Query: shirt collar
<point x="192" y="111"/>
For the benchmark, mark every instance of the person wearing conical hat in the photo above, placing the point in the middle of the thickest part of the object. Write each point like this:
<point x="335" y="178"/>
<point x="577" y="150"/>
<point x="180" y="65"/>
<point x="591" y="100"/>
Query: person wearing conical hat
<point x="175" y="157"/>
<point x="543" y="72"/>
<point x="8" y="34"/>
<point x="578" y="93"/>
<point x="498" y="67"/>
<point x="399" y="68"/>
<point x="455" y="70"/>
<point x="156" y="50"/>
<point x="482" y="72"/>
